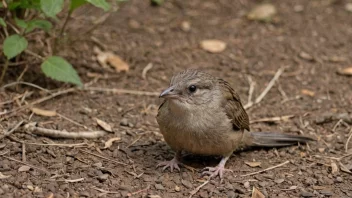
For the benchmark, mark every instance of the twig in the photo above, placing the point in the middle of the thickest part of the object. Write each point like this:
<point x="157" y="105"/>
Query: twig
<point x="122" y="91"/>
<point x="142" y="190"/>
<point x="251" y="89"/>
<point x="4" y="70"/>
<point x="105" y="191"/>
<point x="61" y="92"/>
<point x="270" y="168"/>
<point x="24" y="159"/>
<point x="136" y="140"/>
<point x="25" y="83"/>
<point x="146" y="69"/>
<point x="47" y="144"/>
<point x="73" y="180"/>
<point x="273" y="119"/>
<point x="282" y="92"/>
<point x="193" y="192"/>
<point x="103" y="157"/>
<point x="72" y="121"/>
<point x="348" y="140"/>
<point x="333" y="158"/>
<point x="267" y="89"/>
<point x="34" y="167"/>
<point x="12" y="130"/>
<point x="63" y="134"/>
<point x="34" y="54"/>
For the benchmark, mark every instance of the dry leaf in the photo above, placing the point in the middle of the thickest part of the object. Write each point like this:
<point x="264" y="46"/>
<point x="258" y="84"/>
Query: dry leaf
<point x="263" y="12"/>
<point x="308" y="92"/>
<point x="110" y="141"/>
<point x="334" y="168"/>
<point x="213" y="46"/>
<point x="51" y="195"/>
<point x="346" y="71"/>
<point x="257" y="194"/>
<point x="109" y="58"/>
<point x="104" y="125"/>
<point x="344" y="168"/>
<point x="292" y="188"/>
<point x="154" y="196"/>
<point x="24" y="168"/>
<point x="253" y="164"/>
<point x="43" y="112"/>
<point x="2" y="176"/>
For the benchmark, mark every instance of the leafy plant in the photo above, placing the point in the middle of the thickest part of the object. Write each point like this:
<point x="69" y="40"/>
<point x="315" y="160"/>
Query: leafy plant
<point x="16" y="25"/>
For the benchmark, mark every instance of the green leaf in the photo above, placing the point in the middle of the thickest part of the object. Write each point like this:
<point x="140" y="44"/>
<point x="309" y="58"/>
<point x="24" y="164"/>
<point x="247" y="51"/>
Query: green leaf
<point x="42" y="24"/>
<point x="51" y="7"/>
<point x="59" y="69"/>
<point x="76" y="4"/>
<point x="157" y="2"/>
<point x="100" y="4"/>
<point x="21" y="23"/>
<point x="14" y="45"/>
<point x="2" y="22"/>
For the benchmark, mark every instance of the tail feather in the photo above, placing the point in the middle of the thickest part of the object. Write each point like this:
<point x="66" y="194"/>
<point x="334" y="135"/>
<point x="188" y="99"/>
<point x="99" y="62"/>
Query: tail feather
<point x="268" y="139"/>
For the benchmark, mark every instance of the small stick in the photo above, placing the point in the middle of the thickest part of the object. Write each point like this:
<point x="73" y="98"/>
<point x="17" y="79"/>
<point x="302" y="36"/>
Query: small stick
<point x="270" y="168"/>
<point x="26" y="83"/>
<point x="251" y="89"/>
<point x="63" y="134"/>
<point x="122" y="91"/>
<point x="103" y="157"/>
<point x="348" y="140"/>
<point x="48" y="144"/>
<point x="193" y="192"/>
<point x="273" y="119"/>
<point x="142" y="190"/>
<point x="12" y="130"/>
<point x="105" y="191"/>
<point x="146" y="69"/>
<point x="72" y="121"/>
<point x="336" y="125"/>
<point x="270" y="85"/>
<point x="24" y="159"/>
<point x="136" y="140"/>
<point x="34" y="167"/>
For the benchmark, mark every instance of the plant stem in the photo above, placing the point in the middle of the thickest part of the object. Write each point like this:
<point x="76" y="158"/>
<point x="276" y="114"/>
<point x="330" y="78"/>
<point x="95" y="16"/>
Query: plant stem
<point x="62" y="30"/>
<point x="4" y="70"/>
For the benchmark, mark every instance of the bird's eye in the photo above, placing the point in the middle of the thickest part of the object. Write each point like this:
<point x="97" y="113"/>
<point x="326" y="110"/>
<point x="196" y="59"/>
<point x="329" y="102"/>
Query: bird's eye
<point x="192" y="88"/>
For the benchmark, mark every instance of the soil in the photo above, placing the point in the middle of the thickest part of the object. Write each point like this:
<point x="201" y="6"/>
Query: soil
<point x="311" y="39"/>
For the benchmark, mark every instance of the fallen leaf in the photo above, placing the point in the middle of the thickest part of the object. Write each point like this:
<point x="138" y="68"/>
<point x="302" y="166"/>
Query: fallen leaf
<point x="308" y="92"/>
<point x="24" y="168"/>
<point x="257" y="194"/>
<point x="344" y="168"/>
<point x="334" y="168"/>
<point x="30" y="187"/>
<point x="109" y="58"/>
<point x="110" y="141"/>
<point x="346" y="71"/>
<point x="213" y="46"/>
<point x="104" y="125"/>
<point x="253" y="164"/>
<point x="306" y="56"/>
<point x="321" y="150"/>
<point x="264" y="12"/>
<point x="292" y="187"/>
<point x="117" y="63"/>
<point x="2" y="176"/>
<point x="51" y="195"/>
<point x="43" y="112"/>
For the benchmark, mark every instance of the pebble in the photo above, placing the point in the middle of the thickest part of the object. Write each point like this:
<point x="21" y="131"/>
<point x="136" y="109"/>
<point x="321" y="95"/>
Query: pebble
<point x="124" y="122"/>
<point x="187" y="183"/>
<point x="339" y="179"/>
<point x="246" y="184"/>
<point x="103" y="177"/>
<point x="177" y="189"/>
<point x="326" y="192"/>
<point x="307" y="194"/>
<point x="159" y="187"/>
<point x="279" y="181"/>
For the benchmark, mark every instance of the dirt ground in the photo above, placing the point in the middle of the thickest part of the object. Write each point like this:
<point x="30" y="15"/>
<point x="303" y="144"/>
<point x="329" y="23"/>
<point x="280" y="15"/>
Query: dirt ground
<point x="311" y="39"/>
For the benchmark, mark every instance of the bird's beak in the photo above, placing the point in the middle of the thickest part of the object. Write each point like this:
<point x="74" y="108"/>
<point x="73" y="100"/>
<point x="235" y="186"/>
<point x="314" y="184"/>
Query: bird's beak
<point x="167" y="92"/>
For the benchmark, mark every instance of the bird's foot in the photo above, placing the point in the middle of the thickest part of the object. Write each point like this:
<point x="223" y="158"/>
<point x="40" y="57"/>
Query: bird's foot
<point x="215" y="171"/>
<point x="173" y="164"/>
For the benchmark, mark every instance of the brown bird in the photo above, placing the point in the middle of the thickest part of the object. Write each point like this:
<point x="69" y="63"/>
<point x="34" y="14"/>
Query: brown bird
<point x="202" y="114"/>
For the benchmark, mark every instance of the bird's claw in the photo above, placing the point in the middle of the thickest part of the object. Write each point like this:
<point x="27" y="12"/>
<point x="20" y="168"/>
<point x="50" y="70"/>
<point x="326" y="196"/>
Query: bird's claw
<point x="173" y="164"/>
<point x="215" y="171"/>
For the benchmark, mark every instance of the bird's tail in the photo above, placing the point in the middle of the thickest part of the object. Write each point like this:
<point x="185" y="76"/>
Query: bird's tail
<point x="269" y="139"/>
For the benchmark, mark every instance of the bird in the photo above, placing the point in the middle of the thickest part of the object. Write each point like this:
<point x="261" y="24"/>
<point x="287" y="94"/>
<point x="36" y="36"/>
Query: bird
<point x="203" y="115"/>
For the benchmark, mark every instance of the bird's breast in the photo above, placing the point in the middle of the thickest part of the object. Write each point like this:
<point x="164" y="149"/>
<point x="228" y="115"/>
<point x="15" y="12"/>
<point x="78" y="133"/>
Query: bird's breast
<point x="199" y="131"/>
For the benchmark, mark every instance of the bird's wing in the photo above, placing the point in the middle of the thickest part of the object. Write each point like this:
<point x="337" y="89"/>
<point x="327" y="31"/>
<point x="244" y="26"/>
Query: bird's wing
<point x="233" y="107"/>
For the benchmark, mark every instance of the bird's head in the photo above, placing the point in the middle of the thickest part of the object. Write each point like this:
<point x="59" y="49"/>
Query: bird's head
<point x="191" y="87"/>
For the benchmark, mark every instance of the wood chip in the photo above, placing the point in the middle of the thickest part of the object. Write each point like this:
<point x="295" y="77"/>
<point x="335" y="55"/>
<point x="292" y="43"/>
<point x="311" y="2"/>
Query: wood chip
<point x="253" y="164"/>
<point x="308" y="92"/>
<point x="111" y="141"/>
<point x="256" y="193"/>
<point x="2" y="176"/>
<point x="43" y="112"/>
<point x="346" y="71"/>
<point x="24" y="168"/>
<point x="213" y="46"/>
<point x="104" y="125"/>
<point x="264" y="12"/>
<point x="109" y="58"/>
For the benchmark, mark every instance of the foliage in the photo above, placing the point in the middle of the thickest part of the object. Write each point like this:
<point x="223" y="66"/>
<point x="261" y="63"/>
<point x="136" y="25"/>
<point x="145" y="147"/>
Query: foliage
<point x="16" y="26"/>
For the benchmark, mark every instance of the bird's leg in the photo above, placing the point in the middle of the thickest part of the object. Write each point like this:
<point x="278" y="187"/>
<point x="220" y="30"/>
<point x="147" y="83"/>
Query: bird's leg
<point x="173" y="164"/>
<point x="218" y="170"/>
